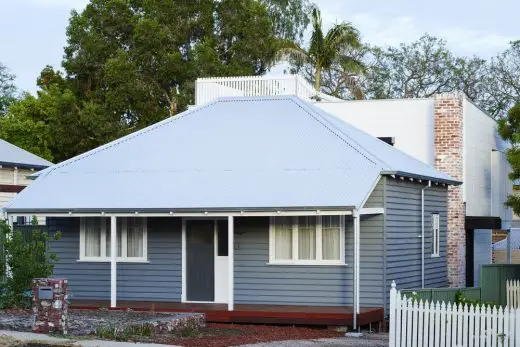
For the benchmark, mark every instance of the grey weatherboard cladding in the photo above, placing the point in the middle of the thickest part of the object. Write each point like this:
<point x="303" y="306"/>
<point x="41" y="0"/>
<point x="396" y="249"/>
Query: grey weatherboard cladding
<point x="256" y="282"/>
<point x="403" y="230"/>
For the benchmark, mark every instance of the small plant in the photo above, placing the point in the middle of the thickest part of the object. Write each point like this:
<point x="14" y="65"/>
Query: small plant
<point x="125" y="333"/>
<point x="460" y="299"/>
<point x="189" y="328"/>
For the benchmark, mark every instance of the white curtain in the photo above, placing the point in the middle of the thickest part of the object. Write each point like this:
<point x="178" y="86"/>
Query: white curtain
<point x="134" y="237"/>
<point x="283" y="238"/>
<point x="307" y="238"/>
<point x="331" y="239"/>
<point x="118" y="237"/>
<point x="92" y="237"/>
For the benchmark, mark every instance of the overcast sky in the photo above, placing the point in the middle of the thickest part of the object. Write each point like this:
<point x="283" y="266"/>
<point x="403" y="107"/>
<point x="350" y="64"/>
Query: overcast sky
<point x="32" y="32"/>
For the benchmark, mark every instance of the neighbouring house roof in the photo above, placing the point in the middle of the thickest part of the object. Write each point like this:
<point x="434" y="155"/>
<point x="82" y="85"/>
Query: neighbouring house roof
<point x="233" y="153"/>
<point x="11" y="155"/>
<point x="514" y="235"/>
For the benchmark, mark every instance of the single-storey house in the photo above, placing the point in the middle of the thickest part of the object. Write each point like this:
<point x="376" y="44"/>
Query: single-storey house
<point x="263" y="207"/>
<point x="16" y="164"/>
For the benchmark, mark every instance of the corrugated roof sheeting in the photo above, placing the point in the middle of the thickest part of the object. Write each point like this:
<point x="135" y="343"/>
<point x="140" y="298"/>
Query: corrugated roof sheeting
<point x="11" y="154"/>
<point x="232" y="153"/>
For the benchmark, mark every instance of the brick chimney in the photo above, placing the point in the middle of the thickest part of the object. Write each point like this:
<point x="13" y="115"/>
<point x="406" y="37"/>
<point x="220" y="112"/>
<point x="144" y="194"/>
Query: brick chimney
<point x="448" y="114"/>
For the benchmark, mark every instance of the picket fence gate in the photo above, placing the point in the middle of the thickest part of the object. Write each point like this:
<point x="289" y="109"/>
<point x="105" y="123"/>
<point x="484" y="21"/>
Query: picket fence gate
<point x="513" y="293"/>
<point x="426" y="324"/>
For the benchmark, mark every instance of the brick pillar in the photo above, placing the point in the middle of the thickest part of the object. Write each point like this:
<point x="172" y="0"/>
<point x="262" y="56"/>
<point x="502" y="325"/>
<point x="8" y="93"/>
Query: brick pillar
<point x="449" y="159"/>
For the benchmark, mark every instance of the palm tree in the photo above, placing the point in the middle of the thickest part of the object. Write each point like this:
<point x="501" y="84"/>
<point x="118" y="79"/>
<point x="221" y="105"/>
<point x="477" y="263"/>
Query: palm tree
<point x="326" y="50"/>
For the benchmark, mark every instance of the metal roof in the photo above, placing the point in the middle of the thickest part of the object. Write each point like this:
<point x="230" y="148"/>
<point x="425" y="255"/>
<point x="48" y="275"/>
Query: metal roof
<point x="234" y="153"/>
<point x="514" y="235"/>
<point x="11" y="155"/>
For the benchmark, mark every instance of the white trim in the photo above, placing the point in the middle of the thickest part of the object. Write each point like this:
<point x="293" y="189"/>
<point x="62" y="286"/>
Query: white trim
<point x="231" y="263"/>
<point x="183" y="272"/>
<point x="372" y="210"/>
<point x="109" y="259"/>
<point x="113" y="261"/>
<point x="356" y="265"/>
<point x="204" y="214"/>
<point x="103" y="251"/>
<point x="370" y="191"/>
<point x="319" y="239"/>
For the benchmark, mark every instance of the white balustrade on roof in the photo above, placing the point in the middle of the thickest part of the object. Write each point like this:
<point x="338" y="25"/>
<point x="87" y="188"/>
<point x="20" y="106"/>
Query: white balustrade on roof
<point x="209" y="89"/>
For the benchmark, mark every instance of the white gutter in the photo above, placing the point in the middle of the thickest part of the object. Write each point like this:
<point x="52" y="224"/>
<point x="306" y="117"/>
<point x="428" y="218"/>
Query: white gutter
<point x="422" y="231"/>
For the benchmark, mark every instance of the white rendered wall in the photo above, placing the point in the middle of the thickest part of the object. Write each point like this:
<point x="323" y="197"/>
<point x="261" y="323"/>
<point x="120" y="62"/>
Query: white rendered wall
<point x="486" y="184"/>
<point x="410" y="121"/>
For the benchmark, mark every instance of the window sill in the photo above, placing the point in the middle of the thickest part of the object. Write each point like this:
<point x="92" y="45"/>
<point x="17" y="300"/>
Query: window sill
<point x="105" y="260"/>
<point x="293" y="263"/>
<point x="435" y="256"/>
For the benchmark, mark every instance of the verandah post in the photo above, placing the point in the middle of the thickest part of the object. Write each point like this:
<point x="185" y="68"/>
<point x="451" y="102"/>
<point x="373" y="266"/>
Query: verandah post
<point x="391" y="334"/>
<point x="113" y="263"/>
<point x="231" y="264"/>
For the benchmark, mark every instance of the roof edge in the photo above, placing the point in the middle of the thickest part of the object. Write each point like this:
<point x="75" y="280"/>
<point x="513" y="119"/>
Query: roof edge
<point x="421" y="177"/>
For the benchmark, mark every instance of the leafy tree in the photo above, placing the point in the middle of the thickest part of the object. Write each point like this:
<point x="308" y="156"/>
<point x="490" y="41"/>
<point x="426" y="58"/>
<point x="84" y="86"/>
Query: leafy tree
<point x="509" y="129"/>
<point x="8" y="91"/>
<point x="27" y="256"/>
<point x="418" y="69"/>
<point x="325" y="49"/>
<point x="290" y="17"/>
<point x="503" y="81"/>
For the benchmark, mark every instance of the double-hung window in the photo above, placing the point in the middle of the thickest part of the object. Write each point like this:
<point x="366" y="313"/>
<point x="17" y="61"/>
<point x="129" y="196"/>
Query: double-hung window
<point x="131" y="238"/>
<point x="307" y="240"/>
<point x="436" y="243"/>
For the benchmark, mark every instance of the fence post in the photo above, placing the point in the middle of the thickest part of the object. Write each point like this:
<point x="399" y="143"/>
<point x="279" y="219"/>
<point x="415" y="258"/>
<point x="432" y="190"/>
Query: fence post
<point x="393" y="296"/>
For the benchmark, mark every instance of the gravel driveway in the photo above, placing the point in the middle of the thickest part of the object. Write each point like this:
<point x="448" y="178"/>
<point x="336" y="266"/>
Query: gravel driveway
<point x="373" y="340"/>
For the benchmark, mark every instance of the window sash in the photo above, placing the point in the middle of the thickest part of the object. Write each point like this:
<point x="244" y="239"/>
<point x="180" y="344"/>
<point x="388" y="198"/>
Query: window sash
<point x="308" y="245"/>
<point x="132" y="239"/>
<point x="435" y="219"/>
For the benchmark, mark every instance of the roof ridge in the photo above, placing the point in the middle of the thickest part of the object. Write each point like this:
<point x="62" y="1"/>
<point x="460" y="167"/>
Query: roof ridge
<point x="314" y="113"/>
<point x="128" y="137"/>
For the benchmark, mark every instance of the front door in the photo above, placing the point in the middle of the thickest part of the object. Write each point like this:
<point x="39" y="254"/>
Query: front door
<point x="200" y="260"/>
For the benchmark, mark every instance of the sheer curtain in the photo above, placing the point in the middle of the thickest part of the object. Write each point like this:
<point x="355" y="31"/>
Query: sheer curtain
<point x="283" y="238"/>
<point x="307" y="238"/>
<point x="331" y="237"/>
<point x="118" y="237"/>
<point x="92" y="237"/>
<point x="134" y="237"/>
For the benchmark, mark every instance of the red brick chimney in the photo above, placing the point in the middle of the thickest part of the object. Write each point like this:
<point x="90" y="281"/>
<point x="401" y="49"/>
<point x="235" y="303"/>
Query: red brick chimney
<point x="449" y="125"/>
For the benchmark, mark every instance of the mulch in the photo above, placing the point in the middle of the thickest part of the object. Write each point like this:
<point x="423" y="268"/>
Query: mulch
<point x="223" y="335"/>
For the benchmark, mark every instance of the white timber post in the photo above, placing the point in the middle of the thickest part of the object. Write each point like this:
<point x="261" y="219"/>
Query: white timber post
<point x="231" y="264"/>
<point x="113" y="261"/>
<point x="184" y="286"/>
<point x="355" y="215"/>
<point x="391" y="333"/>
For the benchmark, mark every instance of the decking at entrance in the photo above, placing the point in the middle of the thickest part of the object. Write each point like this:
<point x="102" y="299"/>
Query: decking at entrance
<point x="264" y="314"/>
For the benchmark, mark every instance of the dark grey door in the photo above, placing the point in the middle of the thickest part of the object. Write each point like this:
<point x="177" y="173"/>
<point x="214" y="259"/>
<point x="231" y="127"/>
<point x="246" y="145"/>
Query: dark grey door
<point x="200" y="260"/>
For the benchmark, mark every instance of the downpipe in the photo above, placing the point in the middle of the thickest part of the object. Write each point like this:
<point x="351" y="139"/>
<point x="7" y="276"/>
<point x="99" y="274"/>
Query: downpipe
<point x="422" y="231"/>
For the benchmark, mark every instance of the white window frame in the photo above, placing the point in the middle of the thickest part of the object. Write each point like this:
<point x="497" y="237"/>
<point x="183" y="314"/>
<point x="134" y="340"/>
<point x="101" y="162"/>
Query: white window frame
<point x="319" y="256"/>
<point x="105" y="228"/>
<point x="436" y="234"/>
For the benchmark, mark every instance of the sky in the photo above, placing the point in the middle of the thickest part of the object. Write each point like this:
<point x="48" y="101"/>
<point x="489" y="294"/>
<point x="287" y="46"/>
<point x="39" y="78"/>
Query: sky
<point x="32" y="32"/>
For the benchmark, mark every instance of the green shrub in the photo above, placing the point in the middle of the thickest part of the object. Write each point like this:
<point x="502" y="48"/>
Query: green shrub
<point x="27" y="256"/>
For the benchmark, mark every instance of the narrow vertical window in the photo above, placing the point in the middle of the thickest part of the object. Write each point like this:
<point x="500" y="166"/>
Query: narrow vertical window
<point x="93" y="237"/>
<point x="435" y="235"/>
<point x="331" y="237"/>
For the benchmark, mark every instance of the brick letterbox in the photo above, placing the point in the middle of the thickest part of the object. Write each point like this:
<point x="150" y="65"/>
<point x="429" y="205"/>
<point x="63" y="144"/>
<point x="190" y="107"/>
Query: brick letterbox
<point x="50" y="307"/>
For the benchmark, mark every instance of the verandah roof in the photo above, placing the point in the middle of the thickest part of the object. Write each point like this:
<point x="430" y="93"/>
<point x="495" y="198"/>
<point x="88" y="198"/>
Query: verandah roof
<point x="234" y="153"/>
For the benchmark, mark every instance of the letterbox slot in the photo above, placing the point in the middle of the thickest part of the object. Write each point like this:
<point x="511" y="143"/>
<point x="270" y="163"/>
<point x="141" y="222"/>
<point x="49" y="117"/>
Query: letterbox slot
<point x="45" y="293"/>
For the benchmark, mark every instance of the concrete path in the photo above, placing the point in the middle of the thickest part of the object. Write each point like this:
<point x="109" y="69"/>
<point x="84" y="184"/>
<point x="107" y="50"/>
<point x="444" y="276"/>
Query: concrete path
<point x="376" y="340"/>
<point x="31" y="337"/>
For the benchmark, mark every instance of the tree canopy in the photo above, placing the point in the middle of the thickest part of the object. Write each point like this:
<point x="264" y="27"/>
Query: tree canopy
<point x="8" y="89"/>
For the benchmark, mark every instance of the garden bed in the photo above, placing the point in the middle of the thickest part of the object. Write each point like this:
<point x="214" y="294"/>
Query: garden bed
<point x="101" y="324"/>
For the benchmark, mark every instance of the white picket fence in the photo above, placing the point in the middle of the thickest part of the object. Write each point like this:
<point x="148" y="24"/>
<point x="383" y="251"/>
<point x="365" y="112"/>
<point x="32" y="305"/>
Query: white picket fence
<point x="513" y="293"/>
<point x="418" y="324"/>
